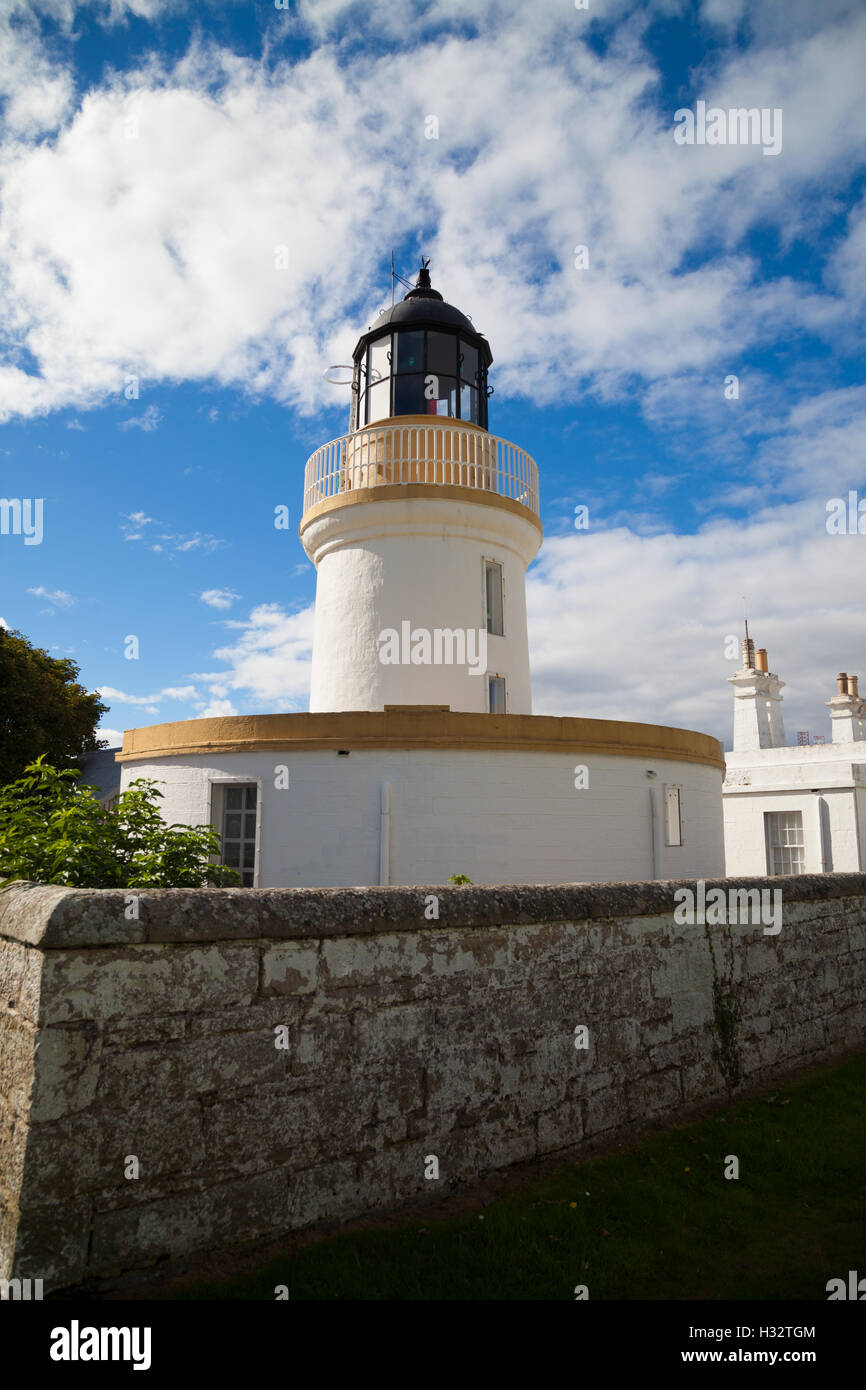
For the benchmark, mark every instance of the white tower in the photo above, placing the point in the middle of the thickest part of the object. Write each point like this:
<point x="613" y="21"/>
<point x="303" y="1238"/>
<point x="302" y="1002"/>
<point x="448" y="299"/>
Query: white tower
<point x="757" y="702"/>
<point x="421" y="526"/>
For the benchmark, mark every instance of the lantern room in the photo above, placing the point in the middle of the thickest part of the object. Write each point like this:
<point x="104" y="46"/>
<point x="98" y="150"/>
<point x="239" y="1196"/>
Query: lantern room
<point x="421" y="357"/>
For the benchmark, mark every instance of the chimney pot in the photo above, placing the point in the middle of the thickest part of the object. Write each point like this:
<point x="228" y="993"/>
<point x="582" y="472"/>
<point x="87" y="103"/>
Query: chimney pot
<point x="761" y="662"/>
<point x="853" y="682"/>
<point x="842" y="682"/>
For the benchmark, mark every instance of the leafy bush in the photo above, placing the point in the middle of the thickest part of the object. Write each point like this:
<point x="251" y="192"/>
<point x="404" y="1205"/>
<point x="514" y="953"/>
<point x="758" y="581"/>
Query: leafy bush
<point x="53" y="831"/>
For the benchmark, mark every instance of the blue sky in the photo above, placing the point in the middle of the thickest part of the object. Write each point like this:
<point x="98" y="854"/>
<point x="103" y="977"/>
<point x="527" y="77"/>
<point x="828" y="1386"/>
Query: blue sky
<point x="154" y="153"/>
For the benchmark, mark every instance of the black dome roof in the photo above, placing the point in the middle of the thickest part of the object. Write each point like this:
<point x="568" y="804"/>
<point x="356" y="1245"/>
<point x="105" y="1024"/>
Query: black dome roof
<point x="424" y="307"/>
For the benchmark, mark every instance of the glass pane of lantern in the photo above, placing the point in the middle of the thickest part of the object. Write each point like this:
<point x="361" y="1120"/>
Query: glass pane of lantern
<point x="441" y="353"/>
<point x="379" y="399"/>
<point x="410" y="351"/>
<point x="440" y="394"/>
<point x="468" y="403"/>
<point x="409" y="396"/>
<point x="469" y="363"/>
<point x="379" y="364"/>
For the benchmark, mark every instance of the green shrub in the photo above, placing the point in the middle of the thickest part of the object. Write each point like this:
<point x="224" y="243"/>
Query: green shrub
<point x="54" y="831"/>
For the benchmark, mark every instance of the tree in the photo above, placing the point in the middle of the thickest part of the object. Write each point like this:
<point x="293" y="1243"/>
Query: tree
<point x="54" y="831"/>
<point x="43" y="709"/>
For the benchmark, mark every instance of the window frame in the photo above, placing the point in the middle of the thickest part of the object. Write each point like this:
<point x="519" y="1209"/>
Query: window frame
<point x="670" y="789"/>
<point x="218" y="788"/>
<point x="771" y="820"/>
<point x="497" y="676"/>
<point x="488" y="560"/>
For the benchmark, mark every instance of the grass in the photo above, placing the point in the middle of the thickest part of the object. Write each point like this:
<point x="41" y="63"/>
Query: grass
<point x="659" y="1221"/>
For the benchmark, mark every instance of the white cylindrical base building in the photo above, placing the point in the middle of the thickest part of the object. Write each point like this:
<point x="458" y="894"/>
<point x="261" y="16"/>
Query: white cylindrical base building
<point x="412" y="797"/>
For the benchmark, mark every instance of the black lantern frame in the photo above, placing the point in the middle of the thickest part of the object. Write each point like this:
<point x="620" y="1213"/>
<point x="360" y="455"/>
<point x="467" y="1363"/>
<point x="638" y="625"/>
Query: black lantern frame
<point x="420" y="369"/>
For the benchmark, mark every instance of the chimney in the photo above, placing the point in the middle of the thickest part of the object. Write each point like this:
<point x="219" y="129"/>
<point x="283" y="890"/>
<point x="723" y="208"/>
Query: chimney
<point x="846" y="708"/>
<point x="758" y="719"/>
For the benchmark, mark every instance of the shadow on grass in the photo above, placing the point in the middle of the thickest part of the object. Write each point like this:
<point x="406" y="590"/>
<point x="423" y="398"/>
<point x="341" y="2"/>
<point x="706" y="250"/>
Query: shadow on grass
<point x="660" y="1221"/>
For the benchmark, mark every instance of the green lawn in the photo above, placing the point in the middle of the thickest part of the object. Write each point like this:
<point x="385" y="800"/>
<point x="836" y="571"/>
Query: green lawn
<point x="658" y="1222"/>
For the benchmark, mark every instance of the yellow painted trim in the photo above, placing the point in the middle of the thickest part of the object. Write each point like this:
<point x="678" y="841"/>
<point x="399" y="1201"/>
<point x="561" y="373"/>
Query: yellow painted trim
<point x="370" y="729"/>
<point x="390" y="492"/>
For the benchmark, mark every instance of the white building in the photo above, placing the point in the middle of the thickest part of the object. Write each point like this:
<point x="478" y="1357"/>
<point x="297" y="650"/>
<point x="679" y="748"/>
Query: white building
<point x="797" y="809"/>
<point x="420" y="757"/>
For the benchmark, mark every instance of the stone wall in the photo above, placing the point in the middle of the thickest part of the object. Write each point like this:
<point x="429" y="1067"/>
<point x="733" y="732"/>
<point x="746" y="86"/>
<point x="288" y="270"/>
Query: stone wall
<point x="408" y="1036"/>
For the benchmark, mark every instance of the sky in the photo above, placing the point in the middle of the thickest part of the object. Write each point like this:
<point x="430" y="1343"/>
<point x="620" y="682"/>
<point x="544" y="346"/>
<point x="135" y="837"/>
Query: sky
<point x="694" y="376"/>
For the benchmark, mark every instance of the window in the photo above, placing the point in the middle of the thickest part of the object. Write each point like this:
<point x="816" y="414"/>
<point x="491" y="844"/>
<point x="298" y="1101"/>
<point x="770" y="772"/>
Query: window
<point x="442" y="353"/>
<point x="493" y="597"/>
<point x="417" y="371"/>
<point x="673" y="816"/>
<point x="379" y="397"/>
<point x="496" y="694"/>
<point x="440" y="394"/>
<point x="468" y="403"/>
<point x="380" y="360"/>
<point x="409" y="398"/>
<point x="410" y="350"/>
<point x="469" y="363"/>
<point x="239" y="830"/>
<point x="785" y="844"/>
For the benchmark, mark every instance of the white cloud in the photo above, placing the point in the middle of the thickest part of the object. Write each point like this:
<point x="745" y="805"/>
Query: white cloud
<point x="219" y="598"/>
<point x="58" y="597"/>
<point x="217" y="708"/>
<point x="149" y="703"/>
<point x="270" y="661"/>
<point x="114" y="736"/>
<point x="134" y="524"/>
<point x="624" y="626"/>
<point x="148" y="422"/>
<point x="328" y="157"/>
<point x="3" y="623"/>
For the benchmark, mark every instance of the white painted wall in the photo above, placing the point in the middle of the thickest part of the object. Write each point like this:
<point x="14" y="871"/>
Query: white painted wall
<point x="797" y="779"/>
<point x="418" y="559"/>
<point x="499" y="817"/>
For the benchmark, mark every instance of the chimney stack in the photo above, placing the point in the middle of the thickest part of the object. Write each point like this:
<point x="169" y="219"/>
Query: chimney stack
<point x="847" y="711"/>
<point x="758" y="719"/>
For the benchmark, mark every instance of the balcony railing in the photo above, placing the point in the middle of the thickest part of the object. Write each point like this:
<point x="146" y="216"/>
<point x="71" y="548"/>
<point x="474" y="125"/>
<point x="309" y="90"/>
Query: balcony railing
<point x="437" y="455"/>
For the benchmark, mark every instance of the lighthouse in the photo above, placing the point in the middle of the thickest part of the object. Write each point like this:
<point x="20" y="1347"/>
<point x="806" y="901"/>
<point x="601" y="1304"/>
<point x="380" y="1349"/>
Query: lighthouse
<point x="419" y="757"/>
<point x="421" y="525"/>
